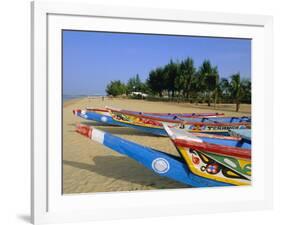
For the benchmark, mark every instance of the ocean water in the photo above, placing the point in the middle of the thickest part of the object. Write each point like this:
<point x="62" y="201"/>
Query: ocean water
<point x="69" y="97"/>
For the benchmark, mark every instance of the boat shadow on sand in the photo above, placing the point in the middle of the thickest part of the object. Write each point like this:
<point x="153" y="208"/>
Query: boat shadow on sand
<point x="126" y="169"/>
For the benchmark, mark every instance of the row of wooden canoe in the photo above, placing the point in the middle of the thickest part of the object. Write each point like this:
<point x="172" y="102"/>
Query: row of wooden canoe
<point x="154" y="124"/>
<point x="205" y="159"/>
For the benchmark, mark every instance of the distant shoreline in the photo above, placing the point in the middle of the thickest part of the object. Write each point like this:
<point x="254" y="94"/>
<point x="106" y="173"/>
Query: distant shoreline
<point x="72" y="100"/>
<point x="69" y="97"/>
<point x="68" y="102"/>
<point x="226" y="107"/>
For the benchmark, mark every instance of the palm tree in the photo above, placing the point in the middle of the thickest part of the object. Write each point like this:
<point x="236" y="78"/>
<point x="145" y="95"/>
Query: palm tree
<point x="236" y="89"/>
<point x="208" y="80"/>
<point x="171" y="70"/>
<point x="224" y="89"/>
<point x="187" y="72"/>
<point x="246" y="87"/>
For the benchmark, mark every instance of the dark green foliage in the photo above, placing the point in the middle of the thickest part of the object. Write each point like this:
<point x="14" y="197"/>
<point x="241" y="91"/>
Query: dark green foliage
<point x="115" y="88"/>
<point x="185" y="77"/>
<point x="182" y="80"/>
<point x="247" y="93"/>
<point x="134" y="84"/>
<point x="172" y="72"/>
<point x="208" y="81"/>
<point x="224" y="91"/>
<point x="240" y="90"/>
<point x="156" y="81"/>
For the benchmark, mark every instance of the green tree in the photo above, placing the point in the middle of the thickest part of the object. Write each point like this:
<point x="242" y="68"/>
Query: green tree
<point x="236" y="89"/>
<point x="134" y="84"/>
<point x="186" y="76"/>
<point x="247" y="91"/>
<point x="116" y="88"/>
<point x="195" y="88"/>
<point x="171" y="70"/>
<point x="156" y="81"/>
<point x="208" y="80"/>
<point x="224" y="90"/>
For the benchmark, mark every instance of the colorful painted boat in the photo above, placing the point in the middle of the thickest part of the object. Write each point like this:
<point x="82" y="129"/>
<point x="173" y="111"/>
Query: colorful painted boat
<point x="161" y="163"/>
<point x="223" y="159"/>
<point x="108" y="120"/>
<point x="155" y="126"/>
<point x="99" y="110"/>
<point x="161" y="115"/>
<point x="178" y="119"/>
<point x="218" y="125"/>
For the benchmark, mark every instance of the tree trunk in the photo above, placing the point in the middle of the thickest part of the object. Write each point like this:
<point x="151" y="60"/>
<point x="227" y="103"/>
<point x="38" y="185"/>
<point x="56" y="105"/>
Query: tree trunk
<point x="237" y="106"/>
<point x="209" y="101"/>
<point x="173" y="93"/>
<point x="215" y="103"/>
<point x="187" y="95"/>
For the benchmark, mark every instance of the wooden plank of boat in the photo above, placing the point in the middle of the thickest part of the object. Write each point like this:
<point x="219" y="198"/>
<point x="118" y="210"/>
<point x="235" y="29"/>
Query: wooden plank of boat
<point x="218" y="162"/>
<point x="161" y="163"/>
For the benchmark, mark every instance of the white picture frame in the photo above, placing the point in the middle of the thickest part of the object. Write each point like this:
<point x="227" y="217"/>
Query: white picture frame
<point x="49" y="205"/>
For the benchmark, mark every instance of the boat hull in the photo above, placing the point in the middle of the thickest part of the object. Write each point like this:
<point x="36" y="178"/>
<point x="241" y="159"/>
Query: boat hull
<point x="159" y="162"/>
<point x="225" y="163"/>
<point x="190" y="126"/>
<point x="156" y="127"/>
<point x="220" y="168"/>
<point x="102" y="118"/>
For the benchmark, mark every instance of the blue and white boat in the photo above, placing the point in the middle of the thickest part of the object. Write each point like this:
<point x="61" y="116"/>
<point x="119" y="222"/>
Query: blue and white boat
<point x="160" y="163"/>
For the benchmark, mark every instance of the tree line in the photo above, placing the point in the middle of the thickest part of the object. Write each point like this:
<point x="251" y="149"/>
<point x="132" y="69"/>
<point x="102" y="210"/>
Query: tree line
<point x="182" y="81"/>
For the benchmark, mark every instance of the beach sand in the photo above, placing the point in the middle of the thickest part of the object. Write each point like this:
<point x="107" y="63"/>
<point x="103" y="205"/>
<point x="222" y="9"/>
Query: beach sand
<point x="91" y="167"/>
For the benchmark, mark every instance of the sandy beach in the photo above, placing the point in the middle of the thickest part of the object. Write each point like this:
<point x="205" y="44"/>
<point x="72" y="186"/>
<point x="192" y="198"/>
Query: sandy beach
<point x="91" y="167"/>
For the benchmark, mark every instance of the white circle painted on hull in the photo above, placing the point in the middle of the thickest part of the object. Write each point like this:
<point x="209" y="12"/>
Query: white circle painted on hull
<point x="103" y="119"/>
<point x="160" y="165"/>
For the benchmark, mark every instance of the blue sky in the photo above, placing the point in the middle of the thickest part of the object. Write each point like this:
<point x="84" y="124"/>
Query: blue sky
<point x="92" y="59"/>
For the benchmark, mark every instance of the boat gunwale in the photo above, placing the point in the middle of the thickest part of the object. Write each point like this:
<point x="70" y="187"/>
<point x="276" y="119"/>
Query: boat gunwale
<point x="183" y="122"/>
<point x="192" y="115"/>
<point x="215" y="148"/>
